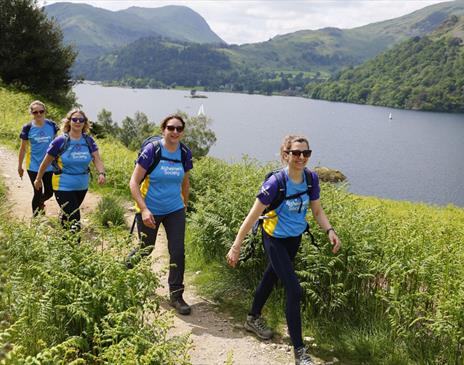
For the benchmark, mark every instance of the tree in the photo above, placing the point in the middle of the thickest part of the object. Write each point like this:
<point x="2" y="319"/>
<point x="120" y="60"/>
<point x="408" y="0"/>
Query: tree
<point x="32" y="54"/>
<point x="198" y="136"/>
<point x="134" y="131"/>
<point x="105" y="120"/>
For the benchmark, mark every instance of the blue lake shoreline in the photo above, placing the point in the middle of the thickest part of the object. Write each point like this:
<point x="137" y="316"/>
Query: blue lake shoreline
<point x="415" y="156"/>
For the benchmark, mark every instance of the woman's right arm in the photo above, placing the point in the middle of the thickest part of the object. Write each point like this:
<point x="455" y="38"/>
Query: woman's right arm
<point x="136" y="179"/>
<point x="253" y="215"/>
<point x="22" y="153"/>
<point x="43" y="166"/>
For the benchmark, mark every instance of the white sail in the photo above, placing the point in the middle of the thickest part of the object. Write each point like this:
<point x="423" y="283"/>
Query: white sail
<point x="201" y="111"/>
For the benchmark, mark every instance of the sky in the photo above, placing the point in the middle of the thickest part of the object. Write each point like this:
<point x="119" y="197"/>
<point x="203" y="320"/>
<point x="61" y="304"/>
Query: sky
<point x="250" y="21"/>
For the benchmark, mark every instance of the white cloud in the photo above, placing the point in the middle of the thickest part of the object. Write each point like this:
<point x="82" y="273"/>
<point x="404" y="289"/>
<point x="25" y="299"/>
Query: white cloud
<point x="255" y="21"/>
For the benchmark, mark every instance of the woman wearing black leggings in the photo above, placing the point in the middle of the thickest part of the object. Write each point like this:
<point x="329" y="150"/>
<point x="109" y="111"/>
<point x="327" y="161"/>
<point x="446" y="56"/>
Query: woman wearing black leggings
<point x="282" y="228"/>
<point x="35" y="137"/>
<point x="73" y="151"/>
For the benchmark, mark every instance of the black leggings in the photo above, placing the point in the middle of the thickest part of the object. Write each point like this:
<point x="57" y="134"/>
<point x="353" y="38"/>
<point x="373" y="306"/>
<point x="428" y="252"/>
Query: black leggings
<point x="69" y="202"/>
<point x="174" y="225"/>
<point x="42" y="195"/>
<point x="281" y="252"/>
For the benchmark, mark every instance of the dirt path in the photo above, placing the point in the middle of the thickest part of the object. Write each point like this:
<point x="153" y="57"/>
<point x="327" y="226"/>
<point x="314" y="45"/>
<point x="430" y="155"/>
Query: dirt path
<point x="217" y="339"/>
<point x="19" y="193"/>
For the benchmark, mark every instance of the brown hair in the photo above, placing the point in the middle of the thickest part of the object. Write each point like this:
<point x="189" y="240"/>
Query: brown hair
<point x="165" y="121"/>
<point x="67" y="121"/>
<point x="36" y="102"/>
<point x="287" y="144"/>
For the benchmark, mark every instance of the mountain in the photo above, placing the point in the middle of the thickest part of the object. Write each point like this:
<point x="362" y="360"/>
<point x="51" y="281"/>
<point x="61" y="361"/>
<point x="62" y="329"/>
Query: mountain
<point x="425" y="73"/>
<point x="332" y="49"/>
<point x="95" y="31"/>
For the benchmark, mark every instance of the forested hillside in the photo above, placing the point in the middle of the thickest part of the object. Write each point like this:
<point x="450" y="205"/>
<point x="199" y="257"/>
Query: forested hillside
<point x="155" y="62"/>
<point x="422" y="73"/>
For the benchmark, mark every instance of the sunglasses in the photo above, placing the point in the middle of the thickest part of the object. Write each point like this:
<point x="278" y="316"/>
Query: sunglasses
<point x="35" y="112"/>
<point x="298" y="153"/>
<point x="78" y="120"/>
<point x="171" y="128"/>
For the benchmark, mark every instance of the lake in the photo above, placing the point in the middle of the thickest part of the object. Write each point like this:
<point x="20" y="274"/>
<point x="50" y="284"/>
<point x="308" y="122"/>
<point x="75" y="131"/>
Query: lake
<point x="415" y="156"/>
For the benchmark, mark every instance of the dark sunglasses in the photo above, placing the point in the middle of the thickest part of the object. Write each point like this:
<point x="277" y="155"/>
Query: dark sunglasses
<point x="35" y="112"/>
<point x="78" y="120"/>
<point x="171" y="128"/>
<point x="297" y="153"/>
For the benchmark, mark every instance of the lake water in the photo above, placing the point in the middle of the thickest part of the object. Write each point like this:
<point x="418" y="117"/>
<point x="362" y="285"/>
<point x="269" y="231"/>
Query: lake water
<point x="416" y="156"/>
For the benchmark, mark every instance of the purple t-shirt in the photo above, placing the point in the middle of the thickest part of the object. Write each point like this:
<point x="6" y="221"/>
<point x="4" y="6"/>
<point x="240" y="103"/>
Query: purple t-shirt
<point x="289" y="218"/>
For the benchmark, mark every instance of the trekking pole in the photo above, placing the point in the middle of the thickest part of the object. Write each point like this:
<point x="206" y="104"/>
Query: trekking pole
<point x="133" y="226"/>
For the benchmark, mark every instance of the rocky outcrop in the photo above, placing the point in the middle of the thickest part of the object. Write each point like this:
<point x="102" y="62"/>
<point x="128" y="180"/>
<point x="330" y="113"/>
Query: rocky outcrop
<point x="329" y="175"/>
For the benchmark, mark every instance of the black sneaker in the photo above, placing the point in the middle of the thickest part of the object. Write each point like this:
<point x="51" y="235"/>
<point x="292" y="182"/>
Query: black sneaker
<point x="302" y="357"/>
<point x="179" y="304"/>
<point x="258" y="326"/>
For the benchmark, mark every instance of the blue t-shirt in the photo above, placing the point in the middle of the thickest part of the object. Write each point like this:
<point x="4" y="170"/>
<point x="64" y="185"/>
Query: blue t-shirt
<point x="74" y="163"/>
<point x="162" y="189"/>
<point x="289" y="218"/>
<point x="38" y="140"/>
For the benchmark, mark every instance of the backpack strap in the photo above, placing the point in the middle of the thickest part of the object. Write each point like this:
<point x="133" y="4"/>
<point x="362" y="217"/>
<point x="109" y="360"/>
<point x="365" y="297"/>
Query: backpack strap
<point x="281" y="189"/>
<point x="27" y="128"/>
<point x="156" y="158"/>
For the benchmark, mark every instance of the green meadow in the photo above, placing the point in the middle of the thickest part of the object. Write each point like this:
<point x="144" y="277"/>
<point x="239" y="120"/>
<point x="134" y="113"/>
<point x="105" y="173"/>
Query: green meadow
<point x="394" y="294"/>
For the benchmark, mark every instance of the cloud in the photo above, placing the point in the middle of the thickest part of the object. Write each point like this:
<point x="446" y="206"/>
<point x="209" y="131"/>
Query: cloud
<point x="256" y="21"/>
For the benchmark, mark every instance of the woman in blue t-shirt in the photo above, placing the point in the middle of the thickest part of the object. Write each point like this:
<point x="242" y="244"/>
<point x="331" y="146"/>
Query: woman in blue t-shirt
<point x="282" y="230"/>
<point x="161" y="197"/>
<point x="72" y="152"/>
<point x="35" y="137"/>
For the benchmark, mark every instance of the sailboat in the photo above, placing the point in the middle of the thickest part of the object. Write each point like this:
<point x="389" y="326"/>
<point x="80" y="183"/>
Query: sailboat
<point x="390" y="116"/>
<point x="201" y="111"/>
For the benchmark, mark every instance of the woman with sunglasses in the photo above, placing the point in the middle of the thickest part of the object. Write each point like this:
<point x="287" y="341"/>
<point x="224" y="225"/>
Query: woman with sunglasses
<point x="282" y="230"/>
<point x="73" y="151"/>
<point x="161" y="198"/>
<point x="35" y="137"/>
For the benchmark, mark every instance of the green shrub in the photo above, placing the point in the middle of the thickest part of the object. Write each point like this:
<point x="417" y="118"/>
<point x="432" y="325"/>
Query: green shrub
<point x="400" y="267"/>
<point x="110" y="211"/>
<point x="70" y="303"/>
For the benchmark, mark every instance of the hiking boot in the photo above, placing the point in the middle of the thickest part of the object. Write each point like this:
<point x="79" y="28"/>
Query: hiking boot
<point x="258" y="326"/>
<point x="302" y="357"/>
<point x="179" y="304"/>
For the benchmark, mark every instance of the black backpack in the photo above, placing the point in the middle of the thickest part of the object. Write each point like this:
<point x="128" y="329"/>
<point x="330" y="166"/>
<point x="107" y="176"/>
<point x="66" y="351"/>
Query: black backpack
<point x="56" y="168"/>
<point x="156" y="141"/>
<point x="278" y="200"/>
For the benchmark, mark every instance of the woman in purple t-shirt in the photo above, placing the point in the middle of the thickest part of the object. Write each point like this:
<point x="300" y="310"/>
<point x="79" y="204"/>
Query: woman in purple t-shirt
<point x="282" y="230"/>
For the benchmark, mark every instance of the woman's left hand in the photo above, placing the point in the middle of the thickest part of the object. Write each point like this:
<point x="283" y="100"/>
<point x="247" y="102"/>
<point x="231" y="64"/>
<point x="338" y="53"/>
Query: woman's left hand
<point x="101" y="179"/>
<point x="335" y="241"/>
